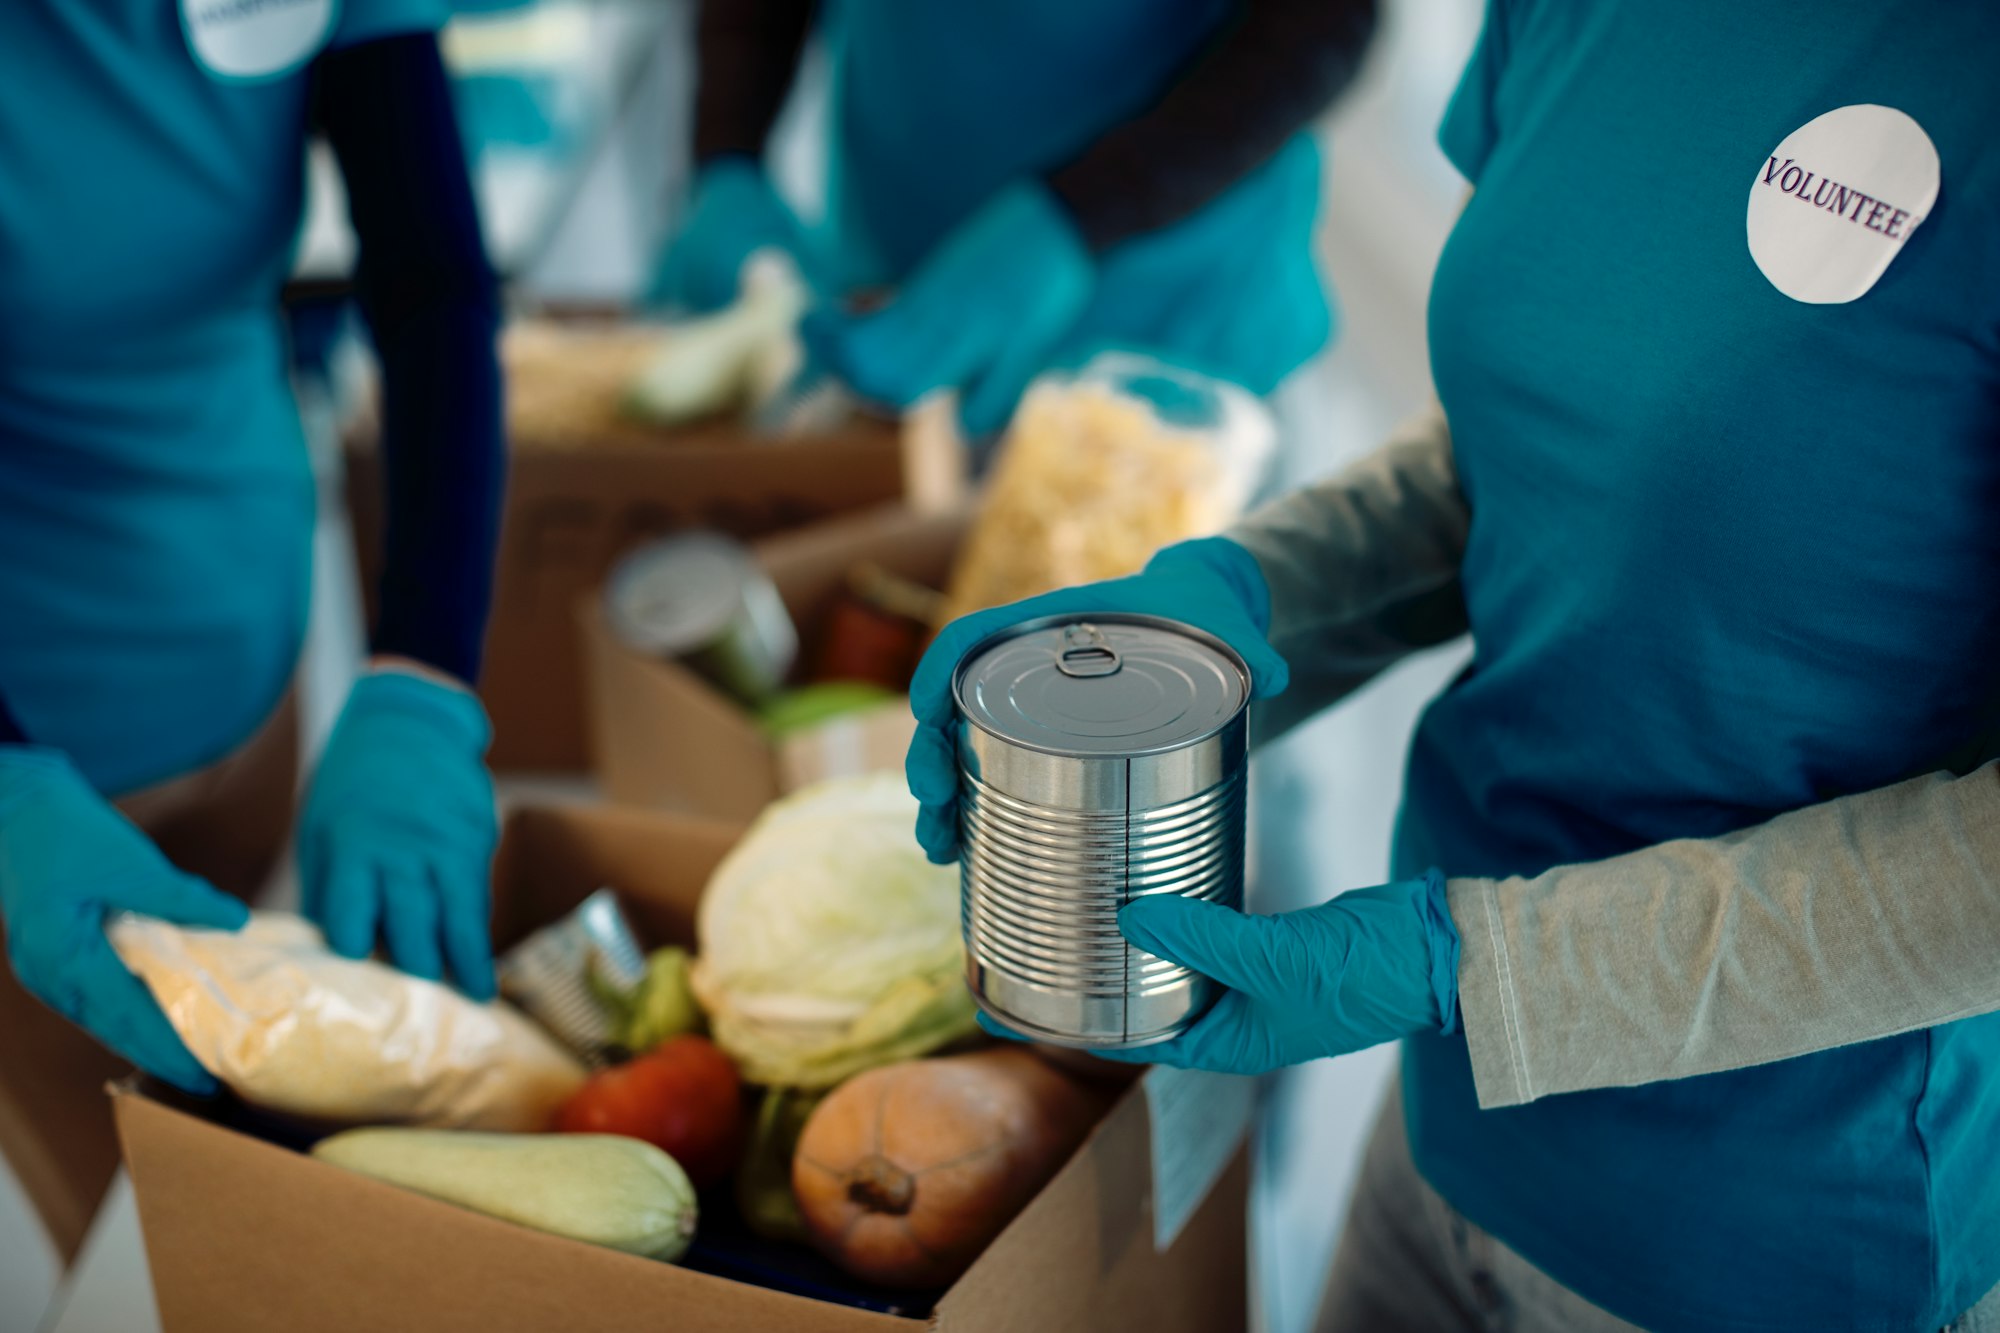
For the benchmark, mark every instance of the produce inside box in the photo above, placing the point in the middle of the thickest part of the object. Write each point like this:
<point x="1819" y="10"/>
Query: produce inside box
<point x="578" y="380"/>
<point x="722" y="677"/>
<point x="709" y="604"/>
<point x="782" y="1086"/>
<point x="798" y="674"/>
<point x="575" y="383"/>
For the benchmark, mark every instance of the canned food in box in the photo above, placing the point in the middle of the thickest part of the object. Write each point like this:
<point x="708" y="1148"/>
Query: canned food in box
<point x="701" y="598"/>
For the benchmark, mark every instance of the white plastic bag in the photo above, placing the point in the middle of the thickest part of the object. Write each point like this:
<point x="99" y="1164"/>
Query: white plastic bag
<point x="292" y="1027"/>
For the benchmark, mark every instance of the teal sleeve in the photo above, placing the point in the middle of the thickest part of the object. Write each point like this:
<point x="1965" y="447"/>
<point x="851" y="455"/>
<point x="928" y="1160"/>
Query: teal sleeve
<point x="369" y="20"/>
<point x="1471" y="119"/>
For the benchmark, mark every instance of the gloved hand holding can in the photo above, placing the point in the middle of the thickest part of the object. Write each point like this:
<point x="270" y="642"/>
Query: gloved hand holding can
<point x="1211" y="583"/>
<point x="1369" y="966"/>
<point x="1085" y="757"/>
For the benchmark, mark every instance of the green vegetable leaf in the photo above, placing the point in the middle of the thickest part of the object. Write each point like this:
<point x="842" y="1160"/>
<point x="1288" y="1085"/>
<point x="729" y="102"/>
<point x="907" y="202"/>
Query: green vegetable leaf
<point x="829" y="944"/>
<point x="663" y="1007"/>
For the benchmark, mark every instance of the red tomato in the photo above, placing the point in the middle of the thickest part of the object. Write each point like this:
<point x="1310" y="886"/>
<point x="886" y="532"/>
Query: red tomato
<point x="683" y="1096"/>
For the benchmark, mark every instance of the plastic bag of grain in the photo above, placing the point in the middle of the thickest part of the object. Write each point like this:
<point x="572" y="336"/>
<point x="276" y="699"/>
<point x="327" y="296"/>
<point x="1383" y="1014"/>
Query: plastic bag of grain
<point x="292" y="1027"/>
<point x="1102" y="468"/>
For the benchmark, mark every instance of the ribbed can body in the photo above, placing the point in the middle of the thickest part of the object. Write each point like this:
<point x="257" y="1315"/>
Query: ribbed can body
<point x="1041" y="893"/>
<point x="1052" y="845"/>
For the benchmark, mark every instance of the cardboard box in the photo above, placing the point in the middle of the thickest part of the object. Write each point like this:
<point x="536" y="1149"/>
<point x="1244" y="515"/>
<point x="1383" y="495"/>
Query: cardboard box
<point x="663" y="737"/>
<point x="573" y="507"/>
<point x="55" y="1129"/>
<point x="245" y="1236"/>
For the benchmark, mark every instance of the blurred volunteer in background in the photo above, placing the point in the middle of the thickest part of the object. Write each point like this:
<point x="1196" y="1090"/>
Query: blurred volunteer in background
<point x="1033" y="181"/>
<point x="156" y="517"/>
<point x="1707" y="837"/>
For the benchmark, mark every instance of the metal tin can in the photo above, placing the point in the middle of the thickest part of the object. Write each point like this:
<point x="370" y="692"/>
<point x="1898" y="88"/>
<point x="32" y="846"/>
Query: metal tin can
<point x="554" y="974"/>
<point x="1100" y="760"/>
<point x="701" y="598"/>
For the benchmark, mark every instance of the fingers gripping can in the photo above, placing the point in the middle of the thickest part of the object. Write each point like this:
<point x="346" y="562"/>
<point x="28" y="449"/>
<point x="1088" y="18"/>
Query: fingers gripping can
<point x="1099" y="760"/>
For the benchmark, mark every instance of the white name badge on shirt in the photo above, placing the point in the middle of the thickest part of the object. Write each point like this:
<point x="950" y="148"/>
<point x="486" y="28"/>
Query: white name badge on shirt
<point x="1834" y="203"/>
<point x="255" y="39"/>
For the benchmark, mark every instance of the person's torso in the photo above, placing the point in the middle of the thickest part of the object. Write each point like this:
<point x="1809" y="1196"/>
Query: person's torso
<point x="938" y="106"/>
<point x="155" y="500"/>
<point x="1731" y="553"/>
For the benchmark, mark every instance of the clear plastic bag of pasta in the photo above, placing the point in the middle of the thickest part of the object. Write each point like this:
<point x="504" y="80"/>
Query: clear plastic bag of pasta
<point x="1102" y="467"/>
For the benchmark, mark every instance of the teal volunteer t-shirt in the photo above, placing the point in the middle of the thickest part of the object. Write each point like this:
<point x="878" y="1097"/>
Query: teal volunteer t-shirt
<point x="155" y="497"/>
<point x="1735" y="549"/>
<point x="938" y="106"/>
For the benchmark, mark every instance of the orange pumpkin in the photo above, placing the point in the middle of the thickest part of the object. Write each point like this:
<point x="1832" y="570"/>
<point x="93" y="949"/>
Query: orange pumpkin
<point x="905" y="1173"/>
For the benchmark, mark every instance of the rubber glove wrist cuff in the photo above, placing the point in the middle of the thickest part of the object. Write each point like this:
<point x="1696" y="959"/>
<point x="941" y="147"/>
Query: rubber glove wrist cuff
<point x="410" y="666"/>
<point x="449" y="709"/>
<point x="1031" y="211"/>
<point x="1434" y="905"/>
<point x="29" y="771"/>
<point x="1223" y="559"/>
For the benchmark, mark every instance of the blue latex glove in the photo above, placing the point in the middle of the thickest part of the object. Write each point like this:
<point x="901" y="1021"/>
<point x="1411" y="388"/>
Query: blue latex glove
<point x="983" y="313"/>
<point x="1370" y="966"/>
<point x="734" y="213"/>
<point x="1212" y="584"/>
<point x="398" y="830"/>
<point x="68" y="861"/>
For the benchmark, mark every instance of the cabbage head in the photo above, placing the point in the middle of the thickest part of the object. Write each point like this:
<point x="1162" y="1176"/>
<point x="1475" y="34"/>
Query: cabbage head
<point x="828" y="944"/>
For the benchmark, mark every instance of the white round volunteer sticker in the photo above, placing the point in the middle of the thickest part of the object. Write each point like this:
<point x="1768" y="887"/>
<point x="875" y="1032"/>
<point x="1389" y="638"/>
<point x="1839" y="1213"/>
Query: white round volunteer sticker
<point x="255" y="39"/>
<point x="1834" y="203"/>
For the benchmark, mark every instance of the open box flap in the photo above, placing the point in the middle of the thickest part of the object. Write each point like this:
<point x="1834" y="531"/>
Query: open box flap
<point x="55" y="1129"/>
<point x="552" y="857"/>
<point x="1080" y="1257"/>
<point x="649" y="717"/>
<point x="809" y="565"/>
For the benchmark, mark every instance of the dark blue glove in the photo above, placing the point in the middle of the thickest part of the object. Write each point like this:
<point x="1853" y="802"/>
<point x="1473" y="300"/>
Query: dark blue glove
<point x="68" y="861"/>
<point x="1370" y="966"/>
<point x="1212" y="584"/>
<point x="734" y="214"/>
<point x="398" y="830"/>
<point x="983" y="313"/>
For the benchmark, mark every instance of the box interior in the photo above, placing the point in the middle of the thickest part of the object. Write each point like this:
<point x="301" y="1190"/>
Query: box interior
<point x="649" y="716"/>
<point x="245" y="1234"/>
<point x="810" y="565"/>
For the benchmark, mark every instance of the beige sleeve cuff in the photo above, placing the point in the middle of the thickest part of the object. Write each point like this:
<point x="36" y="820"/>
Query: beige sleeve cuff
<point x="1857" y="919"/>
<point x="1487" y="1004"/>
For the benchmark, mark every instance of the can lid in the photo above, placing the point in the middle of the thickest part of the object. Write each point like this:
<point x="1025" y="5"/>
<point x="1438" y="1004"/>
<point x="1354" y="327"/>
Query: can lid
<point x="679" y="594"/>
<point x="1110" y="684"/>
